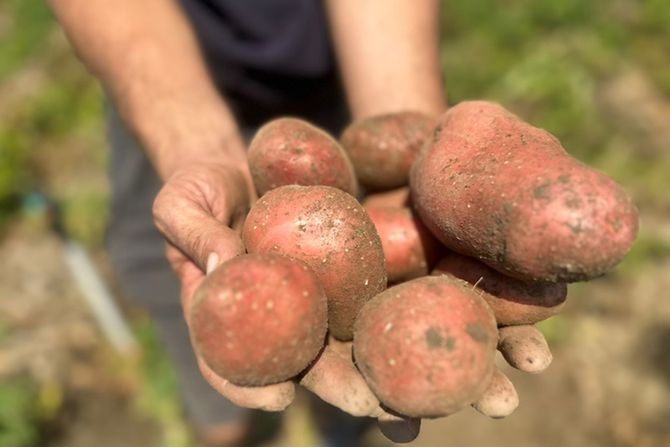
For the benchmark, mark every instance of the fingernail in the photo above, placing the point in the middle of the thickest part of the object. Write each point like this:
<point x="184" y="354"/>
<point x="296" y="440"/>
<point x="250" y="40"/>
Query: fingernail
<point x="212" y="262"/>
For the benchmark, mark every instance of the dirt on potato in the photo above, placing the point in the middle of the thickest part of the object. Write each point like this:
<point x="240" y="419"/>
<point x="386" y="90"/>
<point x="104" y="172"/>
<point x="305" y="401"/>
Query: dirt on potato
<point x="382" y="148"/>
<point x="290" y="151"/>
<point x="329" y="231"/>
<point x="495" y="188"/>
<point x="426" y="347"/>
<point x="259" y="319"/>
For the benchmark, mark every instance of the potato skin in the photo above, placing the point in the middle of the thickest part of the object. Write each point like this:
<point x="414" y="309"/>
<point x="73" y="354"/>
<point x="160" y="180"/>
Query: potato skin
<point x="331" y="232"/>
<point x="410" y="250"/>
<point x="382" y="148"/>
<point x="259" y="319"/>
<point x="513" y="301"/>
<point x="498" y="189"/>
<point x="395" y="198"/>
<point x="289" y="151"/>
<point x="426" y="347"/>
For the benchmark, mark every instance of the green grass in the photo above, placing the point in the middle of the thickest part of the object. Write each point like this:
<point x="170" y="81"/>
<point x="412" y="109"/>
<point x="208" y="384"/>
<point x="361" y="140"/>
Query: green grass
<point x="20" y="419"/>
<point x="158" y="397"/>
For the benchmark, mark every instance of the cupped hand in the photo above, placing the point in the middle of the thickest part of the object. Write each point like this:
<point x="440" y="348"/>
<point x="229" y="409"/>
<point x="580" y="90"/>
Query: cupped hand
<point x="200" y="211"/>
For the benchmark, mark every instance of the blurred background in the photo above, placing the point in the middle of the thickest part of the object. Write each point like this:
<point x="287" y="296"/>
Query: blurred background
<point x="595" y="73"/>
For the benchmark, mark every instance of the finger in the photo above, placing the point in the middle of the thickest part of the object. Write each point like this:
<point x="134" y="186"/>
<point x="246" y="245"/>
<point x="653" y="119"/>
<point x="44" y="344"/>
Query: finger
<point x="343" y="348"/>
<point x="274" y="397"/>
<point x="397" y="428"/>
<point x="524" y="348"/>
<point x="335" y="379"/>
<point x="196" y="214"/>
<point x="500" y="399"/>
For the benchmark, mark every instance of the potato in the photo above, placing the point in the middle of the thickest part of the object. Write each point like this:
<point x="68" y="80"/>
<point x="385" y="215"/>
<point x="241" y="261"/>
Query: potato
<point x="498" y="189"/>
<point x="395" y="198"/>
<point x="259" y="319"/>
<point x="513" y="301"/>
<point x="289" y="151"/>
<point x="409" y="248"/>
<point x="426" y="347"/>
<point x="331" y="232"/>
<point x="382" y="148"/>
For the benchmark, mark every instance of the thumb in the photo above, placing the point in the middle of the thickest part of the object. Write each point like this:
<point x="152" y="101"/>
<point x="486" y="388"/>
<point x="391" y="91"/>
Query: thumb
<point x="196" y="211"/>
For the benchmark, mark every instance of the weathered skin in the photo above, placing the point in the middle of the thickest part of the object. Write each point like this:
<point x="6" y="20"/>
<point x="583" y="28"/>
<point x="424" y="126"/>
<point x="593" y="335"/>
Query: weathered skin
<point x="500" y="399"/>
<point x="259" y="319"/>
<point x="331" y="232"/>
<point x="290" y="151"/>
<point x="525" y="348"/>
<point x="382" y="148"/>
<point x="410" y="249"/>
<point x="498" y="189"/>
<point x="335" y="379"/>
<point x="513" y="301"/>
<point x="426" y="347"/>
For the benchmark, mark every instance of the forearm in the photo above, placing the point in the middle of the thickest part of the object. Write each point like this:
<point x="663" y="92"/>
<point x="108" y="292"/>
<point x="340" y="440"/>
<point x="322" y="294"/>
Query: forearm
<point x="388" y="53"/>
<point x="146" y="55"/>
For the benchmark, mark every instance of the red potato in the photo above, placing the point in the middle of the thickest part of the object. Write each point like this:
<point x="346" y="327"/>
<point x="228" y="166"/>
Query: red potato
<point x="395" y="198"/>
<point x="410" y="249"/>
<point x="495" y="188"/>
<point x="513" y="301"/>
<point x="382" y="148"/>
<point x="259" y="319"/>
<point x="426" y="347"/>
<point x="289" y="151"/>
<point x="331" y="232"/>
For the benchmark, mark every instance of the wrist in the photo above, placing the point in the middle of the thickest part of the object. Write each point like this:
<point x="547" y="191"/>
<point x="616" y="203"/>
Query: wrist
<point x="177" y="133"/>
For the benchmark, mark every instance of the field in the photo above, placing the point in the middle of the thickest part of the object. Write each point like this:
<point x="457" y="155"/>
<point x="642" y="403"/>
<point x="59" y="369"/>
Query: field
<point x="595" y="73"/>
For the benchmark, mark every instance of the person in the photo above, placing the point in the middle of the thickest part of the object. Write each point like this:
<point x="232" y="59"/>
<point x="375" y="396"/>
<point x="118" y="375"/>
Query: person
<point x="188" y="83"/>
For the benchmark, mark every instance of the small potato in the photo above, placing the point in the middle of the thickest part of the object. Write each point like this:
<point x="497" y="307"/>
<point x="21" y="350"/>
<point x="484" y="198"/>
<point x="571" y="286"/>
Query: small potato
<point x="409" y="248"/>
<point x="426" y="347"/>
<point x="395" y="198"/>
<point x="290" y="151"/>
<point x="259" y="319"/>
<point x="382" y="148"/>
<point x="331" y="232"/>
<point x="495" y="188"/>
<point x="513" y="301"/>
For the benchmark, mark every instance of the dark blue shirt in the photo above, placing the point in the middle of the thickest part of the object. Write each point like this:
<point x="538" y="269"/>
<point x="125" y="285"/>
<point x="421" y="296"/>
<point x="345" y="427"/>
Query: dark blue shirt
<point x="268" y="57"/>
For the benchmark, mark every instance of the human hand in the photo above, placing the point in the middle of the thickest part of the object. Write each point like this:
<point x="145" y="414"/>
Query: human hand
<point x="336" y="380"/>
<point x="199" y="211"/>
<point x="524" y="348"/>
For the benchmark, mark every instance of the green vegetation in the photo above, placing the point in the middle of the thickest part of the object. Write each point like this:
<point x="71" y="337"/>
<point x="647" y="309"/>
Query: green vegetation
<point x="158" y="397"/>
<point x="19" y="422"/>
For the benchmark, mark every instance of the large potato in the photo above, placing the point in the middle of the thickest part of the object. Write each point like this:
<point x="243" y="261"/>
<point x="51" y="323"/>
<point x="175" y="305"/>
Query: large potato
<point x="290" y="151"/>
<point x="259" y="319"/>
<point x="331" y="232"/>
<point x="498" y="189"/>
<point x="426" y="347"/>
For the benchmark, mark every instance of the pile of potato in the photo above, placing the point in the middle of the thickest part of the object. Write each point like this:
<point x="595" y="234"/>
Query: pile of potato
<point x="470" y="230"/>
